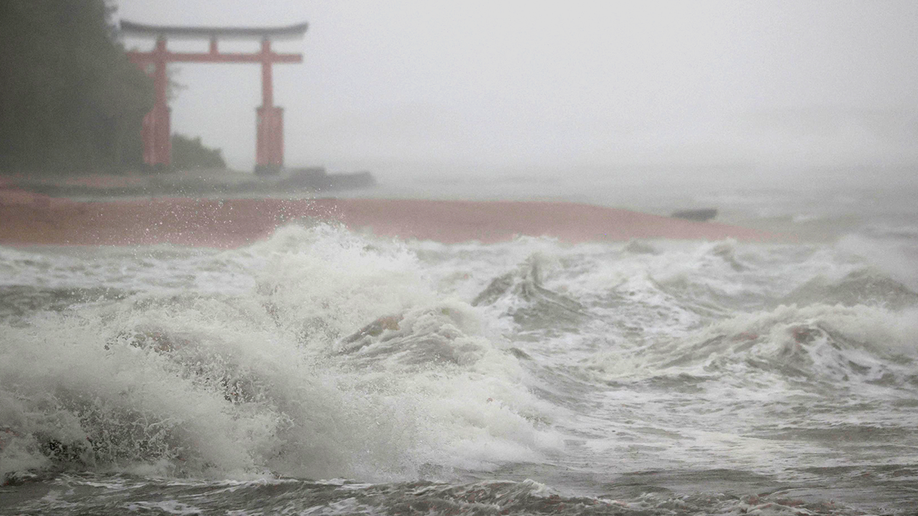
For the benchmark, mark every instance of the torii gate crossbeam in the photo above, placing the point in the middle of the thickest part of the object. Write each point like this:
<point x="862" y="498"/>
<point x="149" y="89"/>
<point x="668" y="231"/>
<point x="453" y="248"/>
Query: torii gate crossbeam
<point x="269" y="147"/>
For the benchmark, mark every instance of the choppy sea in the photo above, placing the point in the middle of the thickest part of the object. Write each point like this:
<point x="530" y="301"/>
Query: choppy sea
<point x="325" y="371"/>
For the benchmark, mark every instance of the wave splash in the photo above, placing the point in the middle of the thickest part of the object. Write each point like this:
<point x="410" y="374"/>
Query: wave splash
<point x="625" y="371"/>
<point x="200" y="384"/>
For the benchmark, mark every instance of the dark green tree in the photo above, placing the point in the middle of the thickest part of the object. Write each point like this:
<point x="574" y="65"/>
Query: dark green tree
<point x="70" y="100"/>
<point x="189" y="153"/>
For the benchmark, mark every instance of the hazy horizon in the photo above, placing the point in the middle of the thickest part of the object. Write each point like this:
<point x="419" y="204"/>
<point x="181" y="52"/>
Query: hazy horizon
<point x="483" y="88"/>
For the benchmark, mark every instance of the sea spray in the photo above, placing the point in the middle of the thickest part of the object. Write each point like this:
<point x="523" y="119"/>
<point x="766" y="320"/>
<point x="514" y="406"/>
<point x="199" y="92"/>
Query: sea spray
<point x="206" y="383"/>
<point x="328" y="371"/>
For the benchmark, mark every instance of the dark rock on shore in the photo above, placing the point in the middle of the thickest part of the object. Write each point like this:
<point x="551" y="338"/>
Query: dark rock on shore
<point x="699" y="215"/>
<point x="316" y="178"/>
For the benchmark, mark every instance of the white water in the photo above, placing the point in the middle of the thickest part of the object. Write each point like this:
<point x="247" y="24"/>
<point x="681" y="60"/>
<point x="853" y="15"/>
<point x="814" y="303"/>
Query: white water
<point x="721" y="374"/>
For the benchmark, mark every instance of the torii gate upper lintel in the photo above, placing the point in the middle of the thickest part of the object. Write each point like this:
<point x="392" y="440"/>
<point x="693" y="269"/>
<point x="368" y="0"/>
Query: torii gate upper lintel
<point x="269" y="150"/>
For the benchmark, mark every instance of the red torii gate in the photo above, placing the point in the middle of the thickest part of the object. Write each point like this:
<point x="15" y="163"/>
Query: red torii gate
<point x="269" y="147"/>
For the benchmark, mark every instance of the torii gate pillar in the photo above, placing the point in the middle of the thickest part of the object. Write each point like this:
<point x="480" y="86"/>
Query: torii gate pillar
<point x="156" y="132"/>
<point x="269" y="137"/>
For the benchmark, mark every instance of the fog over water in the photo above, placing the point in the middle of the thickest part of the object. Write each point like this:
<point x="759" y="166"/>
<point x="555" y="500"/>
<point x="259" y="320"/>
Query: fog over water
<point x="327" y="369"/>
<point x="753" y="93"/>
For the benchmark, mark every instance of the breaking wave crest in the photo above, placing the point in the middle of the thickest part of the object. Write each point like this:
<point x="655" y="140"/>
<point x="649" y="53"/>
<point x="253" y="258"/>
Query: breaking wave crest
<point x="190" y="383"/>
<point x="646" y="377"/>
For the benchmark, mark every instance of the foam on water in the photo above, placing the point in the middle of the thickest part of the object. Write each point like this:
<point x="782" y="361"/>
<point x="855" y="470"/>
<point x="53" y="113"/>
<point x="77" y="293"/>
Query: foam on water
<point x="197" y="382"/>
<point x="608" y="371"/>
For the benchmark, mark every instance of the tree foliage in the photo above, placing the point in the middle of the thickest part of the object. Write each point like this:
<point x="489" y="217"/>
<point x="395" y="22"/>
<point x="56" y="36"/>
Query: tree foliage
<point x="188" y="153"/>
<point x="70" y="100"/>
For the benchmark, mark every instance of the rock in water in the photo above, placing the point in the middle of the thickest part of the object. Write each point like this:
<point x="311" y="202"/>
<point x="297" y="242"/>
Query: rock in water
<point x="700" y="215"/>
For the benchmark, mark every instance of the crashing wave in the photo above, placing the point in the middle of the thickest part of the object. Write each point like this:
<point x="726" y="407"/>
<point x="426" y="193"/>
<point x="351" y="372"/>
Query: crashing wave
<point x="521" y="295"/>
<point x="860" y="287"/>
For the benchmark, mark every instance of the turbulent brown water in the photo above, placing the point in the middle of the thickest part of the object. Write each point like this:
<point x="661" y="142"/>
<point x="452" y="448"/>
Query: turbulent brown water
<point x="328" y="372"/>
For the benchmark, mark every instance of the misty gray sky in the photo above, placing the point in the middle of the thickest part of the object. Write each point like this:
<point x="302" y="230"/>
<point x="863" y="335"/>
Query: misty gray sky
<point x="499" y="85"/>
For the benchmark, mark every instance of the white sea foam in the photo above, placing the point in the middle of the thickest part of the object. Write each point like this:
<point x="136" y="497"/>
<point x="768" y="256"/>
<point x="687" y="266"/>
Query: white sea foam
<point x="321" y="353"/>
<point x="198" y="381"/>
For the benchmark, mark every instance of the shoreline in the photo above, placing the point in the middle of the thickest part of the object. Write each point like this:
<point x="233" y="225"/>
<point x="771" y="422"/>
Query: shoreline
<point x="36" y="219"/>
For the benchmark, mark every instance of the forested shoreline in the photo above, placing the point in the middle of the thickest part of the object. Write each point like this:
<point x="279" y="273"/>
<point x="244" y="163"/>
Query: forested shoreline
<point x="71" y="101"/>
